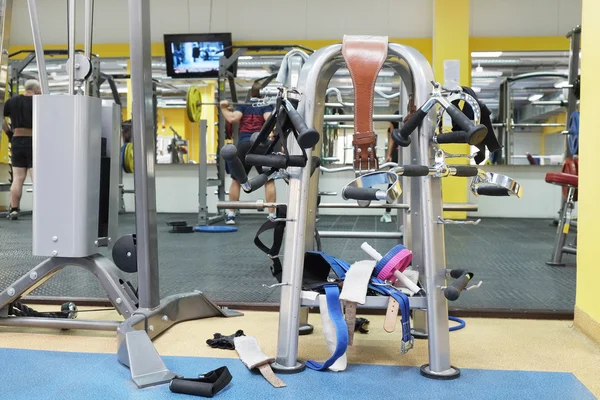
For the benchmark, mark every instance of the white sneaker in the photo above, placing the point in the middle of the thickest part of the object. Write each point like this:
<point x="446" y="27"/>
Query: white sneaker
<point x="230" y="220"/>
<point x="272" y="216"/>
<point x="386" y="218"/>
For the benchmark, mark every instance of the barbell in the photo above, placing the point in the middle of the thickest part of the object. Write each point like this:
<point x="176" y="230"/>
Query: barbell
<point x="194" y="103"/>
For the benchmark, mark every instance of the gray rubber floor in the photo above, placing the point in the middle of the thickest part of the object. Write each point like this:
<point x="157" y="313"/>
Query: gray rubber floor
<point x="508" y="255"/>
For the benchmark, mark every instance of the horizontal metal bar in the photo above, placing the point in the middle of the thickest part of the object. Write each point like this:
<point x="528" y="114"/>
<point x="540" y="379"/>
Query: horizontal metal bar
<point x="538" y="125"/>
<point x="350" y="117"/>
<point x="128" y="191"/>
<point x="460" y="207"/>
<point x="355" y="205"/>
<point x="560" y="103"/>
<point x="377" y="302"/>
<point x="8" y="184"/>
<point x="245" y="205"/>
<point x="59" y="323"/>
<point x="569" y="250"/>
<point x="360" y="235"/>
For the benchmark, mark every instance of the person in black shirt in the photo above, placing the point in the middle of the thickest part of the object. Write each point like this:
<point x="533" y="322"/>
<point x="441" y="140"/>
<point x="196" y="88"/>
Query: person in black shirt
<point x="20" y="111"/>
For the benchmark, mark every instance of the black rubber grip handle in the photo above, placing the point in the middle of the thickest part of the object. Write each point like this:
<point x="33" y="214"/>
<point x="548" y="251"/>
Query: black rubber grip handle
<point x="492" y="191"/>
<point x="452" y="137"/>
<point x="452" y="292"/>
<point x="236" y="168"/>
<point x="256" y="182"/>
<point x="465" y="170"/>
<point x="307" y="137"/>
<point x="475" y="133"/>
<point x="315" y="164"/>
<point x="266" y="160"/>
<point x="297" y="161"/>
<point x="415" y="170"/>
<point x="401" y="137"/>
<point x="456" y="273"/>
<point x="358" y="193"/>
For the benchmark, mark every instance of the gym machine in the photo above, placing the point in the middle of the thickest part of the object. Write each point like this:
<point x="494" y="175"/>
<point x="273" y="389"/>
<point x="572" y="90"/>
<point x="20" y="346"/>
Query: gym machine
<point x="86" y="198"/>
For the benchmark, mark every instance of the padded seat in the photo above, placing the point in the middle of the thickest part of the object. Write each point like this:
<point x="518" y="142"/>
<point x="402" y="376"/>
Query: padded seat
<point x="562" y="179"/>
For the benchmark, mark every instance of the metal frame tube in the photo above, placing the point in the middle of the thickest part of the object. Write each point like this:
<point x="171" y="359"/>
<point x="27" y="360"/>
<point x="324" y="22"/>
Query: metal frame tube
<point x="89" y="32"/>
<point x="59" y="323"/>
<point x="350" y="117"/>
<point x="360" y="235"/>
<point x="71" y="60"/>
<point x="575" y="37"/>
<point x="144" y="153"/>
<point x="39" y="48"/>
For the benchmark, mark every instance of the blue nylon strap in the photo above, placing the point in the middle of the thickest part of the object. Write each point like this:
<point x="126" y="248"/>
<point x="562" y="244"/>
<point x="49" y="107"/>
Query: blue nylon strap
<point x="332" y="292"/>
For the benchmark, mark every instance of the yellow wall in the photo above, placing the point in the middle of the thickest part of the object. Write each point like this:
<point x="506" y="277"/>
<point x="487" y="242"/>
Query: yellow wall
<point x="451" y="42"/>
<point x="588" y="267"/>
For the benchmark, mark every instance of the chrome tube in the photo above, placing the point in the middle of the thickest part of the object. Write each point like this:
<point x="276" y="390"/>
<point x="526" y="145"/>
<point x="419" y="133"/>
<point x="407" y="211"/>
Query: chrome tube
<point x="59" y="323"/>
<point x="71" y="60"/>
<point x="89" y="32"/>
<point x="39" y="48"/>
<point x="360" y="235"/>
<point x="350" y="117"/>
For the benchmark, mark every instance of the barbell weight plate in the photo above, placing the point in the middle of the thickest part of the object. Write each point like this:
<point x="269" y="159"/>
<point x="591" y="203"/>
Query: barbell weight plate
<point x="193" y="103"/>
<point x="128" y="164"/>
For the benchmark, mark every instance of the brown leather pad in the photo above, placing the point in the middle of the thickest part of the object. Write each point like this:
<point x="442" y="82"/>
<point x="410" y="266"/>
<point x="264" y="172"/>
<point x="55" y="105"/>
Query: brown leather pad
<point x="364" y="56"/>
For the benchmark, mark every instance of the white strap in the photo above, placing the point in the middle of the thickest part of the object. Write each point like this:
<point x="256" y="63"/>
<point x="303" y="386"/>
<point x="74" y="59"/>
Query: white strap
<point x="356" y="281"/>
<point x="330" y="336"/>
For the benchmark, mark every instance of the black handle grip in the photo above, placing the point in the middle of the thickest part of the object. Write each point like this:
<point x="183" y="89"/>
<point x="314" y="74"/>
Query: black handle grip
<point x="401" y="137"/>
<point x="307" y="137"/>
<point x="415" y="170"/>
<point x="465" y="170"/>
<point x="236" y="168"/>
<point x="456" y="273"/>
<point x="475" y="134"/>
<point x="452" y="292"/>
<point x="315" y="164"/>
<point x="452" y="137"/>
<point x="492" y="191"/>
<point x="297" y="161"/>
<point x="359" y="193"/>
<point x="256" y="182"/>
<point x="266" y="160"/>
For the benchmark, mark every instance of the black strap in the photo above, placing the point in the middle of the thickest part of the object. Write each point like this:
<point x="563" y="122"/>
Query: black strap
<point x="278" y="227"/>
<point x="206" y="385"/>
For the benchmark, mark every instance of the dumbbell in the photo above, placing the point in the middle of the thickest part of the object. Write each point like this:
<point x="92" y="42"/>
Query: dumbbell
<point x="391" y="266"/>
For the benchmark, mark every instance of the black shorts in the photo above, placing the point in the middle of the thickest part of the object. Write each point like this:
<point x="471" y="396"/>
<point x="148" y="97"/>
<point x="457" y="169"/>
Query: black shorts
<point x="242" y="149"/>
<point x="395" y="155"/>
<point x="22" y="152"/>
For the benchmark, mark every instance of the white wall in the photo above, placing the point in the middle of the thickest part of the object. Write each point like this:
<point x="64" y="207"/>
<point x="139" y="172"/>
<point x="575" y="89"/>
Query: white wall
<point x="299" y="19"/>
<point x="524" y="17"/>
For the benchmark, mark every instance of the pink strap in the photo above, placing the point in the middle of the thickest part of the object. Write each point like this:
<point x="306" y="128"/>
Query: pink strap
<point x="399" y="262"/>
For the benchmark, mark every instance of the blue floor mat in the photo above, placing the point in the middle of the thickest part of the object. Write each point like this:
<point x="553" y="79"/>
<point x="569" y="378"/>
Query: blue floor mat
<point x="57" y="375"/>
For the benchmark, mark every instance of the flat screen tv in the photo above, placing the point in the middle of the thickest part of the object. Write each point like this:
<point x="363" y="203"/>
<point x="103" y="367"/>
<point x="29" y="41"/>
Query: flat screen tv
<point x="196" y="55"/>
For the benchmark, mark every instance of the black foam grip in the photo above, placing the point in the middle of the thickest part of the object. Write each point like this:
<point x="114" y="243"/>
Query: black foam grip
<point x="270" y="160"/>
<point x="492" y="191"/>
<point x="204" y="386"/>
<point x="452" y="292"/>
<point x="415" y="170"/>
<point x="456" y="273"/>
<point x="307" y="137"/>
<point x="465" y="170"/>
<point x="229" y="154"/>
<point x="358" y="193"/>
<point x="297" y="161"/>
<point x="258" y="181"/>
<point x="315" y="164"/>
<point x="452" y="137"/>
<point x="399" y="140"/>
<point x="475" y="134"/>
<point x="409" y="126"/>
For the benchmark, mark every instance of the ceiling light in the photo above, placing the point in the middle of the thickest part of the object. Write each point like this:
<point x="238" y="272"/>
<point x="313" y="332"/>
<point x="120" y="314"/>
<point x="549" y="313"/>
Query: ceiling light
<point x="480" y="54"/>
<point x="535" y="97"/>
<point x="245" y="58"/>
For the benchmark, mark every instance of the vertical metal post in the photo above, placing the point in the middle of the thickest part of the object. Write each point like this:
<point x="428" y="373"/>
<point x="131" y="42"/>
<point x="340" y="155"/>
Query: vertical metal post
<point x="89" y="32"/>
<point x="575" y="37"/>
<point x="508" y="133"/>
<point x="39" y="48"/>
<point x="221" y="129"/>
<point x="6" y="22"/>
<point x="144" y="153"/>
<point x="564" y="223"/>
<point x="71" y="60"/>
<point x="202" y="176"/>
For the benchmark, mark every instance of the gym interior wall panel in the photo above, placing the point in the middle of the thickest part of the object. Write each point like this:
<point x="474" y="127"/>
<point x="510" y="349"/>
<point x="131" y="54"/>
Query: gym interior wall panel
<point x="410" y="19"/>
<point x="334" y="18"/>
<point x="523" y="17"/>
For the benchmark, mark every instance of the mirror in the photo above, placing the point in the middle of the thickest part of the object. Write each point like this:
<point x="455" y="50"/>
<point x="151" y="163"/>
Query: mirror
<point x="526" y="93"/>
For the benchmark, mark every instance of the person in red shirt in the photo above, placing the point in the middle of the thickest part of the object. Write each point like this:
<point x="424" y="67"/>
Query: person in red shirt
<point x="251" y="119"/>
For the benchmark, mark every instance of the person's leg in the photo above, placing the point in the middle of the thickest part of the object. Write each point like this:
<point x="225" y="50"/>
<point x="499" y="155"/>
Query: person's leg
<point x="16" y="191"/>
<point x="271" y="195"/>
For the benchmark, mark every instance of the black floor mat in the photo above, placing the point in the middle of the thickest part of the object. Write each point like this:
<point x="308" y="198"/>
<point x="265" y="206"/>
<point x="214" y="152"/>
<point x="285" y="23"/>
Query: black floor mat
<point x="508" y="255"/>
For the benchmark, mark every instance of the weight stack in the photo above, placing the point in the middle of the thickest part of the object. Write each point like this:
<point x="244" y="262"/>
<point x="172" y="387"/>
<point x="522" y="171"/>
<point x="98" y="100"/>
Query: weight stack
<point x="67" y="133"/>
